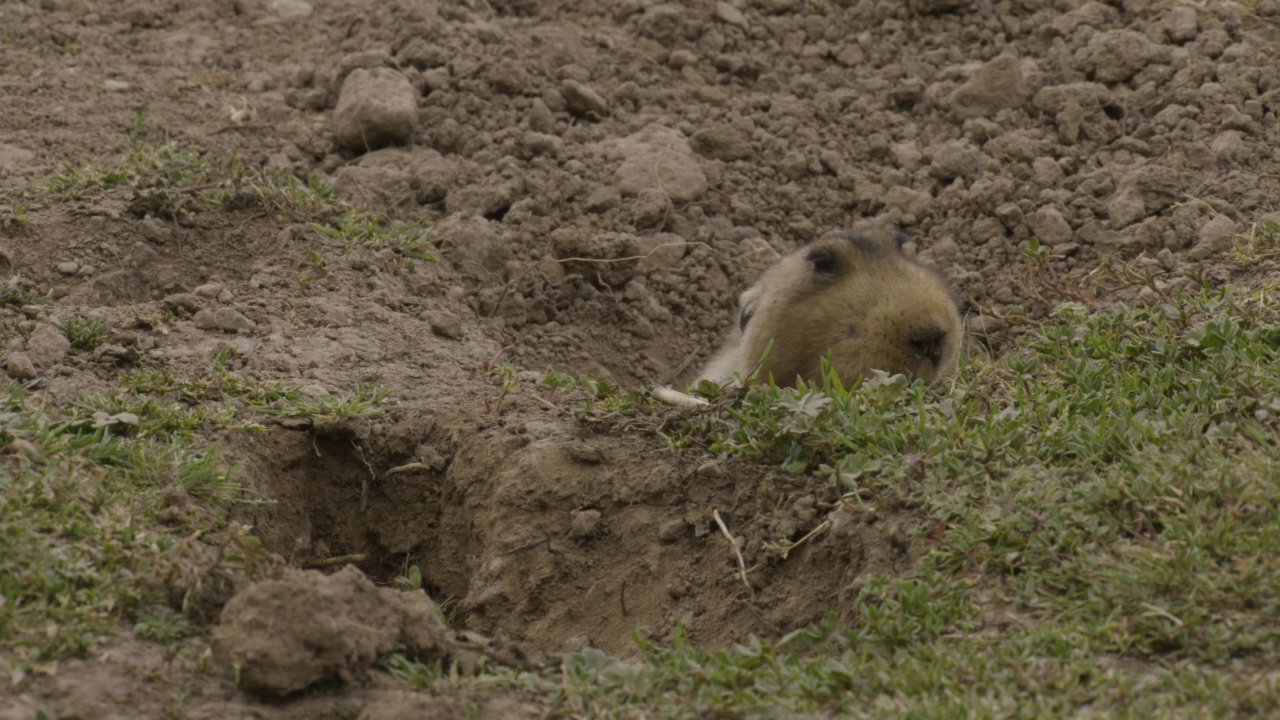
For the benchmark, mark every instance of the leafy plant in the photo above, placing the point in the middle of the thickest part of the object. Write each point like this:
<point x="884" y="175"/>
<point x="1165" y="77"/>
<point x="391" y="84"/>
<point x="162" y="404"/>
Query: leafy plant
<point x="86" y="334"/>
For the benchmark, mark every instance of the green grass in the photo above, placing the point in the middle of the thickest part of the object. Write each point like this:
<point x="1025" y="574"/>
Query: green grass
<point x="223" y="385"/>
<point x="18" y="297"/>
<point x="83" y="488"/>
<point x="142" y="167"/>
<point x="80" y="546"/>
<point x="85" y="334"/>
<point x="373" y="231"/>
<point x="161" y="179"/>
<point x="1100" y="535"/>
<point x="279" y="190"/>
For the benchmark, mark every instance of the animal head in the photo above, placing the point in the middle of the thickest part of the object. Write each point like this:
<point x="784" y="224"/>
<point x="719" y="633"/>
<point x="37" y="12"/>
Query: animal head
<point x="858" y="296"/>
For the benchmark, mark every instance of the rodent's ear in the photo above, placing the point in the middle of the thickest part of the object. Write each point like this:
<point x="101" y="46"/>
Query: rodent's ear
<point x="747" y="306"/>
<point x="824" y="262"/>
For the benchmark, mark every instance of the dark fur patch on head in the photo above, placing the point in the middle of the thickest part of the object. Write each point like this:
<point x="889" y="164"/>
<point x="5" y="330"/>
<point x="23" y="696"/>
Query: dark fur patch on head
<point x="874" y="242"/>
<point x="823" y="262"/>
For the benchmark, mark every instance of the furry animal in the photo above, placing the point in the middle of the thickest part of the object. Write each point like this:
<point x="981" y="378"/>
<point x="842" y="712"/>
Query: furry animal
<point x="855" y="294"/>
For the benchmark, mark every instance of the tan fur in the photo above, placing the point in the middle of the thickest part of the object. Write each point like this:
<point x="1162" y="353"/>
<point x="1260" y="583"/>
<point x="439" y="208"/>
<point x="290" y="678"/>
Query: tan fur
<point x="853" y="293"/>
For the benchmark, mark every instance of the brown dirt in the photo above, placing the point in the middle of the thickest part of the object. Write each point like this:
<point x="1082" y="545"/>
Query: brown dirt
<point x="547" y="142"/>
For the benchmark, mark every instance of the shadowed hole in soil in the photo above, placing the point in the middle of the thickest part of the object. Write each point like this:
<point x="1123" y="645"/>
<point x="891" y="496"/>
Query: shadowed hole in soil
<point x="560" y="538"/>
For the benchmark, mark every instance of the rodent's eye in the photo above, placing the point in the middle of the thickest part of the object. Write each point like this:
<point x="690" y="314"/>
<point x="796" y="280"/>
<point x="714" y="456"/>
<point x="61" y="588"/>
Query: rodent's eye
<point x="745" y="317"/>
<point x="824" y="263"/>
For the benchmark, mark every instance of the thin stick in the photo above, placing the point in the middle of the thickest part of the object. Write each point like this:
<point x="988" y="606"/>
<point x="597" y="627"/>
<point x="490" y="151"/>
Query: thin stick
<point x="334" y="561"/>
<point x="677" y="399"/>
<point x="742" y="565"/>
<point x="404" y="469"/>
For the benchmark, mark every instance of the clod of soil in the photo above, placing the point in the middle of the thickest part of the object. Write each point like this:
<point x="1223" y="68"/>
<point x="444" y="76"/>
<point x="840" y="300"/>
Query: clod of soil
<point x="280" y="636"/>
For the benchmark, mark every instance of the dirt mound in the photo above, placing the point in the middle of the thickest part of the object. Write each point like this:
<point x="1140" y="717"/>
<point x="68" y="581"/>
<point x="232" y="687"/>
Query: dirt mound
<point x="281" y="636"/>
<point x="601" y="179"/>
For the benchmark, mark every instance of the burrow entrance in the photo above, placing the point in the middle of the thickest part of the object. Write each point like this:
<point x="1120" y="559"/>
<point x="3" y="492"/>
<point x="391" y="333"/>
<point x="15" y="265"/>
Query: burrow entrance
<point x="561" y="538"/>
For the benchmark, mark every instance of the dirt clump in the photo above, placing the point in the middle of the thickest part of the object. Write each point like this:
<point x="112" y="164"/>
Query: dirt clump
<point x="280" y="636"/>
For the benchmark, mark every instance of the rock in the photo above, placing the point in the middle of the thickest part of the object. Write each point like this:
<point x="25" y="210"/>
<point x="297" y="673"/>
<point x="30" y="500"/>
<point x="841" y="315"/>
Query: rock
<point x="1010" y="215"/>
<point x="552" y="271"/>
<point x="906" y="200"/>
<point x="1229" y="147"/>
<point x="658" y="157"/>
<point x="186" y="302"/>
<point x="584" y="524"/>
<point x="367" y="60"/>
<point x="1125" y="209"/>
<point x="488" y="201"/>
<point x="1215" y="237"/>
<point x="730" y="15"/>
<point x="540" y="117"/>
<point x="224" y="318"/>
<point x="13" y="158"/>
<point x="69" y="268"/>
<point x="1141" y="193"/>
<point x="1048" y="225"/>
<point x="652" y="208"/>
<point x="473" y="244"/>
<point x="372" y="187"/>
<point x="445" y="324"/>
<point x="155" y="231"/>
<point x="376" y="107"/>
<point x="722" y="142"/>
<point x="984" y="327"/>
<point x="1181" y="23"/>
<point x="794" y="165"/>
<point x="664" y="22"/>
<point x="291" y="9"/>
<point x="280" y="636"/>
<point x="1091" y="14"/>
<point x="509" y="78"/>
<point x="943" y="252"/>
<point x="115" y="85"/>
<point x="117" y="354"/>
<point x="536" y="143"/>
<point x="602" y="199"/>
<point x="47" y="346"/>
<point x="1116" y="56"/>
<point x="675" y="174"/>
<point x="421" y="54"/>
<point x="582" y="101"/>
<point x="906" y="155"/>
<point x="955" y="159"/>
<point x="673" y="530"/>
<point x="18" y="366"/>
<point x="1048" y="172"/>
<point x="1054" y="99"/>
<point x="209" y="290"/>
<point x="998" y="85"/>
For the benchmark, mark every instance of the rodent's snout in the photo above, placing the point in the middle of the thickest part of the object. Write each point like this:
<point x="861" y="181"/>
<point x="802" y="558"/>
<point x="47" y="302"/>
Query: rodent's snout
<point x="929" y="352"/>
<point x="928" y="344"/>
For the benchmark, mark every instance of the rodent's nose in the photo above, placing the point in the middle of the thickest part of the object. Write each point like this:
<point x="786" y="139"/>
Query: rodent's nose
<point x="926" y="343"/>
